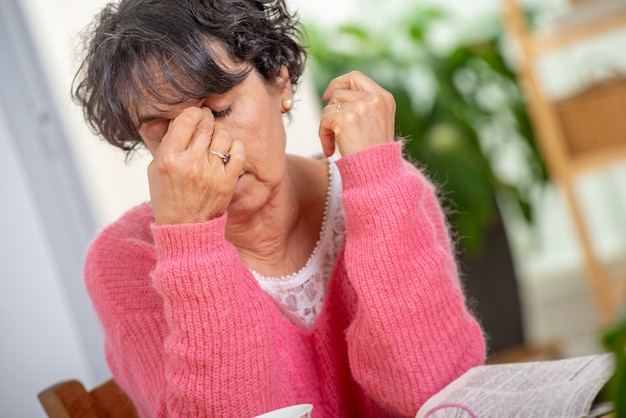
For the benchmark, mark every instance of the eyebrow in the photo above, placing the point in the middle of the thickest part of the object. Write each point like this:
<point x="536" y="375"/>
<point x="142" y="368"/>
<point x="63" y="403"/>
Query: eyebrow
<point x="149" y="118"/>
<point x="160" y="114"/>
<point x="154" y="112"/>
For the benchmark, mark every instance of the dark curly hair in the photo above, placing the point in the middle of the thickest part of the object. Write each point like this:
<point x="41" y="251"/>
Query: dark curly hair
<point x="168" y="51"/>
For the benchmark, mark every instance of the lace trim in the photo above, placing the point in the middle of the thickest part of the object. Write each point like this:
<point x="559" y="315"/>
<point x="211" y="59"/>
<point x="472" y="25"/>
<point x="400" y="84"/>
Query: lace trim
<point x="300" y="295"/>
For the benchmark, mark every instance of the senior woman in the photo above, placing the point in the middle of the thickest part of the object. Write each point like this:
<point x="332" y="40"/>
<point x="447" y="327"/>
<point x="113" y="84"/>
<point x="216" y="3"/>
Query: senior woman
<point x="253" y="279"/>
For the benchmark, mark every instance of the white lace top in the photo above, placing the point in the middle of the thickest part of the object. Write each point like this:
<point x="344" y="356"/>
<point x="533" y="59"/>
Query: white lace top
<point x="300" y="295"/>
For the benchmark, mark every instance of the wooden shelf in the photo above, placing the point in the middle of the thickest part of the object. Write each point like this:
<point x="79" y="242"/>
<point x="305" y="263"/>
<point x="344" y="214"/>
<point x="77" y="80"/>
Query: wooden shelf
<point x="569" y="34"/>
<point x="580" y="132"/>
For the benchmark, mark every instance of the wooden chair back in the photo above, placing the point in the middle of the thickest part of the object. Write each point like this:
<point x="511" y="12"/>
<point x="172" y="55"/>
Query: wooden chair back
<point x="70" y="399"/>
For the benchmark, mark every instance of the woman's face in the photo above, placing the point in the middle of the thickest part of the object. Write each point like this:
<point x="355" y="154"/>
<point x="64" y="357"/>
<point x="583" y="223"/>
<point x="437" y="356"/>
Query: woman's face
<point x="252" y="113"/>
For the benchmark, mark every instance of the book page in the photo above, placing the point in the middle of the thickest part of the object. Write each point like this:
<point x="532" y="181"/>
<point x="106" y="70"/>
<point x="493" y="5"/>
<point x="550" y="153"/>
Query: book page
<point x="557" y="388"/>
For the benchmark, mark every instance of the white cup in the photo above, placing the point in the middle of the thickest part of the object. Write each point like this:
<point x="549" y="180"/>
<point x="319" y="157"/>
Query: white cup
<point x="295" y="411"/>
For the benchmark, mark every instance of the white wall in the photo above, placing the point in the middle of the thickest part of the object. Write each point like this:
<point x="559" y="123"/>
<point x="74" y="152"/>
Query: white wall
<point x="40" y="343"/>
<point x="112" y="185"/>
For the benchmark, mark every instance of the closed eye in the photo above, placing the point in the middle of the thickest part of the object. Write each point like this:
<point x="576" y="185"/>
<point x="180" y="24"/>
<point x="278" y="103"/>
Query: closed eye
<point x="221" y="113"/>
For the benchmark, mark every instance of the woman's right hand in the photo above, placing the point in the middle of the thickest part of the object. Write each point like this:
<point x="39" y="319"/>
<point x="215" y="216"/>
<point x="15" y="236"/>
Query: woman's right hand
<point x="188" y="184"/>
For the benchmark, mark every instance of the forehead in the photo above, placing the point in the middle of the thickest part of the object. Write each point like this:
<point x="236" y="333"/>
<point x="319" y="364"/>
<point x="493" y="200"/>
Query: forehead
<point x="155" y="98"/>
<point x="155" y="87"/>
<point x="148" y="110"/>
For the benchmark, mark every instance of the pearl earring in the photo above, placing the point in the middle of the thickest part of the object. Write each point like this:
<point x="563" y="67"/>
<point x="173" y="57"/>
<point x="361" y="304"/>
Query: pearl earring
<point x="287" y="104"/>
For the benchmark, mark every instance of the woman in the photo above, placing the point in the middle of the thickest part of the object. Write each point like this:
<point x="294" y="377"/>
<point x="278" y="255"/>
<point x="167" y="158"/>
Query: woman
<point x="253" y="279"/>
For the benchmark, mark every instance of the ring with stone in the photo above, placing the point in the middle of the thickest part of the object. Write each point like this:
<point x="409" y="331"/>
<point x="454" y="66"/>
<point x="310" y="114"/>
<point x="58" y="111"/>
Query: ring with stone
<point x="225" y="157"/>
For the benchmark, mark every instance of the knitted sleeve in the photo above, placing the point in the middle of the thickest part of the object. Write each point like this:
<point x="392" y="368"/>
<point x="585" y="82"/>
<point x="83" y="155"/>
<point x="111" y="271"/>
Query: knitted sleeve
<point x="412" y="333"/>
<point x="209" y="356"/>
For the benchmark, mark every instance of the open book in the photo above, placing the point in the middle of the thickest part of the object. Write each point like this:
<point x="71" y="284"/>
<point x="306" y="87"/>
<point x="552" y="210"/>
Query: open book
<point x="556" y="388"/>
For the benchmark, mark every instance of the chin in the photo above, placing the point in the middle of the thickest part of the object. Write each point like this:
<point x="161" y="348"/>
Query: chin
<point x="242" y="206"/>
<point x="247" y="199"/>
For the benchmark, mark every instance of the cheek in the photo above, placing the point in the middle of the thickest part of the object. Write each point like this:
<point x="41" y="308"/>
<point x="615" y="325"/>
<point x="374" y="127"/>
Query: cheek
<point x="248" y="127"/>
<point x="263" y="129"/>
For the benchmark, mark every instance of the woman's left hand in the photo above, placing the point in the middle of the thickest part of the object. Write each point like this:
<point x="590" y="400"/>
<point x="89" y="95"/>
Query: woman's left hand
<point x="359" y="114"/>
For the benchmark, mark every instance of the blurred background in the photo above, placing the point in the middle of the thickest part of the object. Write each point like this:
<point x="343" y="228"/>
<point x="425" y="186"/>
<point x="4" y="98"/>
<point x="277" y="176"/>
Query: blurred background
<point x="453" y="68"/>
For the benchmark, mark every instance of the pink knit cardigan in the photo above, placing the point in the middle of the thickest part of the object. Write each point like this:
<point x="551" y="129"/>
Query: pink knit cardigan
<point x="189" y="333"/>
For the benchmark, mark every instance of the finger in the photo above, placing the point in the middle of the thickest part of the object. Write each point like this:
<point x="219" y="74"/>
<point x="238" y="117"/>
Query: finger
<point x="333" y="106"/>
<point x="181" y="130"/>
<point x="327" y="133"/>
<point x="203" y="135"/>
<point x="354" y="80"/>
<point x="330" y="129"/>
<point x="237" y="158"/>
<point x="345" y="100"/>
<point x="221" y="143"/>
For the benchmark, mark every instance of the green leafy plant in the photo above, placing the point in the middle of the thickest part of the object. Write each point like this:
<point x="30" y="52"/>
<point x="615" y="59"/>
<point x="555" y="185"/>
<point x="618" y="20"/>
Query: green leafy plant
<point x="460" y="109"/>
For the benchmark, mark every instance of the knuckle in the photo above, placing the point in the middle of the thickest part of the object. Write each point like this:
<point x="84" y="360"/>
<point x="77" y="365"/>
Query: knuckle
<point x="363" y="107"/>
<point x="166" y="164"/>
<point x="384" y="100"/>
<point x="353" y="117"/>
<point x="379" y="100"/>
<point x="221" y="134"/>
<point x="204" y="130"/>
<point x="191" y="115"/>
<point x="186" y="119"/>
